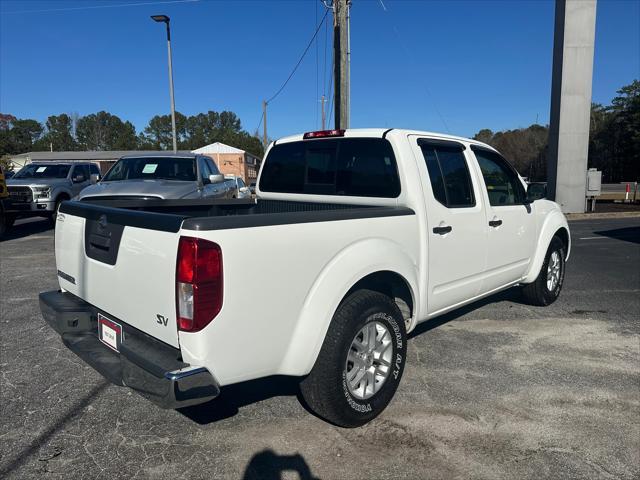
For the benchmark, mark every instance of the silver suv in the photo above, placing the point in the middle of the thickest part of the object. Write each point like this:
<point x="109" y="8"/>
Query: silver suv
<point x="38" y="188"/>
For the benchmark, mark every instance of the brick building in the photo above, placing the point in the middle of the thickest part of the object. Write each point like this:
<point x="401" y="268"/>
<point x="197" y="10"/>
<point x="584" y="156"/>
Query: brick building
<point x="232" y="161"/>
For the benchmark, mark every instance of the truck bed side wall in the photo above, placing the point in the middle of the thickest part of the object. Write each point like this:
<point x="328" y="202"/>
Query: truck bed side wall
<point x="275" y="315"/>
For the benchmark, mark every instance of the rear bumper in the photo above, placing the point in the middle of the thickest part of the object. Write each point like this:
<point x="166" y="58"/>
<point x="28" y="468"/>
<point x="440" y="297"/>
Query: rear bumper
<point x="144" y="364"/>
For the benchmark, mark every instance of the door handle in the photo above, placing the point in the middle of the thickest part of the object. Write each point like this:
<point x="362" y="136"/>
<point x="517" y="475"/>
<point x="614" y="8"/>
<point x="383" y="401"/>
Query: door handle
<point x="442" y="230"/>
<point x="495" y="223"/>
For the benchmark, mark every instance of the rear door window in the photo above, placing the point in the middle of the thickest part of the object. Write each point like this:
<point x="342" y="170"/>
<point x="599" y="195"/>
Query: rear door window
<point x="449" y="174"/>
<point x="360" y="167"/>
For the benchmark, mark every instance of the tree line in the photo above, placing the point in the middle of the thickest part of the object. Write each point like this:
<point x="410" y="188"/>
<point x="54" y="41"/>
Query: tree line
<point x="105" y="131"/>
<point x="614" y="140"/>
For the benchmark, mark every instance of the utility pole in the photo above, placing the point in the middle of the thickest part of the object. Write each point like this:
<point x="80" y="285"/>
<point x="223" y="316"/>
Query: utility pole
<point x="264" y="124"/>
<point x="341" y="64"/>
<point x="323" y="115"/>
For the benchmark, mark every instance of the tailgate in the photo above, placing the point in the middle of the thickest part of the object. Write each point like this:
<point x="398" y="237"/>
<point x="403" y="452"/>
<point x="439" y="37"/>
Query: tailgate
<point x="123" y="262"/>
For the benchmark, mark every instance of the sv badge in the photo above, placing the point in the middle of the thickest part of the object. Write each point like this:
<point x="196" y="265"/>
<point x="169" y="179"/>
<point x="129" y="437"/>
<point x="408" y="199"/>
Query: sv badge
<point x="162" y="320"/>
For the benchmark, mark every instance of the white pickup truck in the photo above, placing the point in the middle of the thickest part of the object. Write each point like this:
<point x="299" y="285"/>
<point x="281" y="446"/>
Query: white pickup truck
<point x="356" y="237"/>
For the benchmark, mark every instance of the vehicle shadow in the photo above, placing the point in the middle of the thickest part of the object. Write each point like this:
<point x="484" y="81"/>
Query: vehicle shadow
<point x="25" y="229"/>
<point x="268" y="465"/>
<point x="233" y="397"/>
<point x="628" y="234"/>
<point x="510" y="295"/>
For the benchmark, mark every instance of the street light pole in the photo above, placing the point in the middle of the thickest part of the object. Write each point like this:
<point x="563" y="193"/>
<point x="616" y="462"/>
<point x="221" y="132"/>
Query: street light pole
<point x="166" y="20"/>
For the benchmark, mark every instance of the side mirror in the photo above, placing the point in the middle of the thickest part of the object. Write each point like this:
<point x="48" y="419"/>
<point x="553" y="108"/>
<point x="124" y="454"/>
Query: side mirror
<point x="244" y="189"/>
<point x="94" y="178"/>
<point x="536" y="191"/>
<point x="216" y="178"/>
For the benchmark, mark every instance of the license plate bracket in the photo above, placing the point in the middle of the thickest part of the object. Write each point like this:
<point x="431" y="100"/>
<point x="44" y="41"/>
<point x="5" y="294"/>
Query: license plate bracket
<point x="109" y="332"/>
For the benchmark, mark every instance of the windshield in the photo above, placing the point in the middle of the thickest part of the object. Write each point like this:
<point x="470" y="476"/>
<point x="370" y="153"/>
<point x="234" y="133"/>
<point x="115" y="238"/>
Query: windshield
<point x="153" y="168"/>
<point x="43" y="171"/>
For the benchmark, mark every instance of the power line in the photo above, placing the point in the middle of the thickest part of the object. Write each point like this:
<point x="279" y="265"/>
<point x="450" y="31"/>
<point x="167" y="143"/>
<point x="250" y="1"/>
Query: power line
<point x="260" y="122"/>
<point x="300" y="60"/>
<point x="93" y="7"/>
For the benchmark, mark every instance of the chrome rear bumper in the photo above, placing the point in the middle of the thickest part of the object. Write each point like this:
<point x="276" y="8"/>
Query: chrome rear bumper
<point x="144" y="364"/>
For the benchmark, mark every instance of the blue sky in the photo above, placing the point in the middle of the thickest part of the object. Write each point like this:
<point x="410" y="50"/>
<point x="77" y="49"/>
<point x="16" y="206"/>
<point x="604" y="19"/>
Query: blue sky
<point x="455" y="66"/>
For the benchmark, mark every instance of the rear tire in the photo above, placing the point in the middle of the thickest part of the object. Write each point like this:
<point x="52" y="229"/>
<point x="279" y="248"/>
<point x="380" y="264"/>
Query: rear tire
<point x="361" y="361"/>
<point x="546" y="288"/>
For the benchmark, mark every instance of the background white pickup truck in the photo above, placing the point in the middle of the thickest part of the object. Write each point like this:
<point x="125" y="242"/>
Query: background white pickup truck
<point x="356" y="238"/>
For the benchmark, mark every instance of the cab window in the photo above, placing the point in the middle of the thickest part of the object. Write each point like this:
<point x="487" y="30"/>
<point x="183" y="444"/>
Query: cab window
<point x="502" y="182"/>
<point x="449" y="174"/>
<point x="359" y="167"/>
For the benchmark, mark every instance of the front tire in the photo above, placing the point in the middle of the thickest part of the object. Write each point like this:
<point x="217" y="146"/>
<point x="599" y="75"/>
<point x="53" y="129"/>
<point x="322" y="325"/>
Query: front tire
<point x="547" y="286"/>
<point x="361" y="361"/>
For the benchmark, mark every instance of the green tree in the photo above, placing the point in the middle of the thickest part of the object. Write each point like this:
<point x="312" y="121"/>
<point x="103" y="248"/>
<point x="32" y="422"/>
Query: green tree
<point x="225" y="127"/>
<point x="18" y="136"/>
<point x="625" y="109"/>
<point x="104" y="131"/>
<point x="158" y="135"/>
<point x="614" y="136"/>
<point x="58" y="136"/>
<point x="26" y="133"/>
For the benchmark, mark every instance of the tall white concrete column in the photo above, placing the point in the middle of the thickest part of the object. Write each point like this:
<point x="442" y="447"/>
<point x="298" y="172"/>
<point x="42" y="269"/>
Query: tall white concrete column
<point x="574" y="37"/>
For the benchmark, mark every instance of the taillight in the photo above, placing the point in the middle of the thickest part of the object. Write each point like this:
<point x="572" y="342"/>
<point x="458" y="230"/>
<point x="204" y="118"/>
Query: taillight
<point x="198" y="283"/>
<point x="323" y="134"/>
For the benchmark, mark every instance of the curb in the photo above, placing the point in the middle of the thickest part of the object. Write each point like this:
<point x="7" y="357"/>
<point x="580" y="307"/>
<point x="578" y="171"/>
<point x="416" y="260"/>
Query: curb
<point x="597" y="216"/>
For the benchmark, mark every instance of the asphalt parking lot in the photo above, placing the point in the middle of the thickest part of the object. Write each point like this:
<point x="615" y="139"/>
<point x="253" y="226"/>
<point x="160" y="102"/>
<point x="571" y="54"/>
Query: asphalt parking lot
<point x="497" y="390"/>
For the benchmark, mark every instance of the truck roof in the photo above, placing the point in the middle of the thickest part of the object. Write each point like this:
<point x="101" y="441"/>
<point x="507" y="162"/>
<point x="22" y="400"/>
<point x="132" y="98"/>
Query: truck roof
<point x="382" y="132"/>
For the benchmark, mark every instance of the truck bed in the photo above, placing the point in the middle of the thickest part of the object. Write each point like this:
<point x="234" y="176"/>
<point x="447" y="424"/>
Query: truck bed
<point x="172" y="215"/>
<point x="113" y="249"/>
